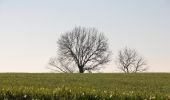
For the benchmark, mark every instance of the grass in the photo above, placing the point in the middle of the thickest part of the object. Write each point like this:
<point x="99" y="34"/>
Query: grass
<point x="47" y="86"/>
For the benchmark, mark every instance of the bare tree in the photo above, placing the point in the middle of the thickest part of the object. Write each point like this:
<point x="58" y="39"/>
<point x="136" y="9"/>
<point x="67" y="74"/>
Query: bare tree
<point x="84" y="48"/>
<point x="129" y="61"/>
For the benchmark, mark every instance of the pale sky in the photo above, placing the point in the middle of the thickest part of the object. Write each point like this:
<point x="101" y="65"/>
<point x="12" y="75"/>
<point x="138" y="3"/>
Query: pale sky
<point x="29" y="30"/>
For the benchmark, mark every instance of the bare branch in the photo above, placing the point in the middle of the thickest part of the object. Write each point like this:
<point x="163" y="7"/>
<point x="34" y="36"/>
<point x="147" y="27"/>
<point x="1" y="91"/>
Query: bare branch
<point x="61" y="66"/>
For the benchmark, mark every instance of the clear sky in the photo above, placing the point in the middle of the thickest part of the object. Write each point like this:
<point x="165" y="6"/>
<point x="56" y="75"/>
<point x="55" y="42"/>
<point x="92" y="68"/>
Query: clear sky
<point x="29" y="30"/>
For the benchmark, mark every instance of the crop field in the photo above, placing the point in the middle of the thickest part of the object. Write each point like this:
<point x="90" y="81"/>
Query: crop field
<point x="51" y="86"/>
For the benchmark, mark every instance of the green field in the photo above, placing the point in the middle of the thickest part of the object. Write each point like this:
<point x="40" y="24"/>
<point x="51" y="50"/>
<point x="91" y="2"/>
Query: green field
<point x="45" y="86"/>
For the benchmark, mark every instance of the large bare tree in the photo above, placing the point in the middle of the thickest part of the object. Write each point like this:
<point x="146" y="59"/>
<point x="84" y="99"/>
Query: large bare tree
<point x="129" y="61"/>
<point x="83" y="48"/>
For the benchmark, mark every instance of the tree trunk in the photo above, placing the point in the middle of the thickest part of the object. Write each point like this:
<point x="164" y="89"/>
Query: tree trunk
<point x="127" y="70"/>
<point x="81" y="69"/>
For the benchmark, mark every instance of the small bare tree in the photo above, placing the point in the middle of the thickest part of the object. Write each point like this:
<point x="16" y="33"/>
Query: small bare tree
<point x="83" y="48"/>
<point x="129" y="61"/>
